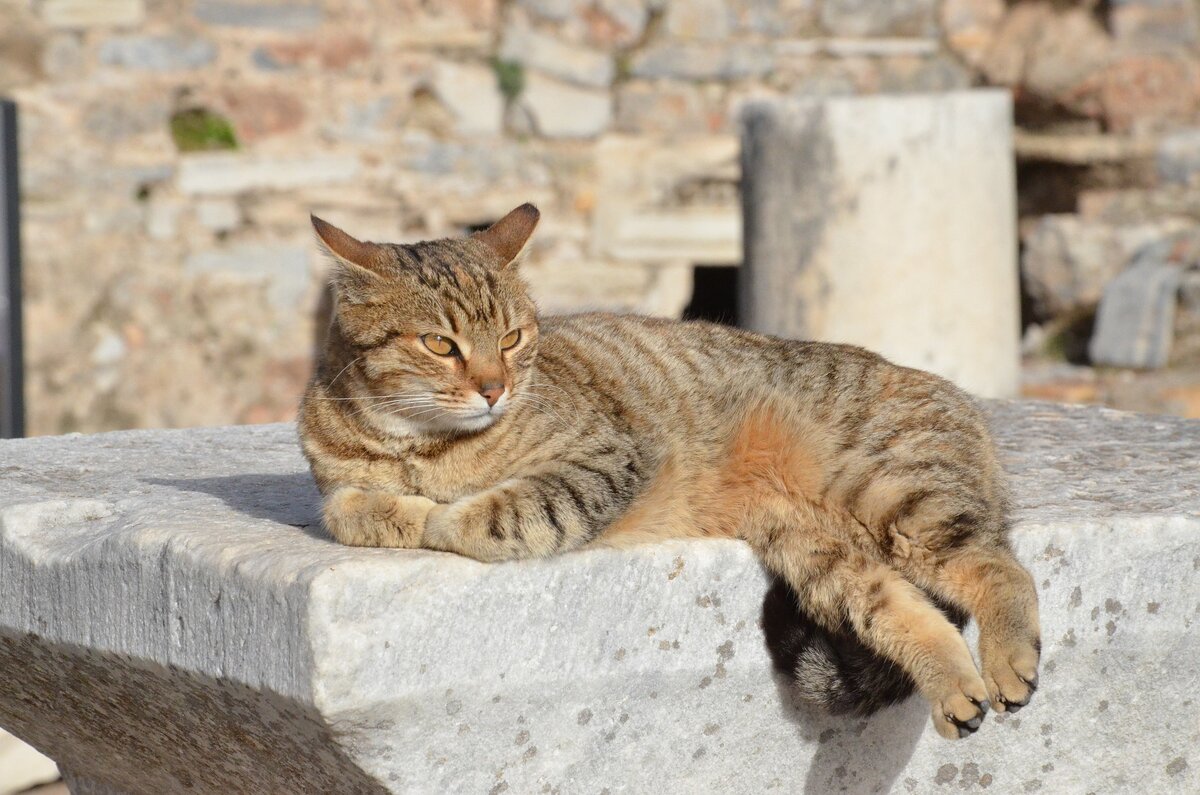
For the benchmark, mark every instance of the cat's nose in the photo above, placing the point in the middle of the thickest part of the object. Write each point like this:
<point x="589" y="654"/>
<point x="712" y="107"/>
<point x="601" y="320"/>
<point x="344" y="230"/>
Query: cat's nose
<point x="492" y="392"/>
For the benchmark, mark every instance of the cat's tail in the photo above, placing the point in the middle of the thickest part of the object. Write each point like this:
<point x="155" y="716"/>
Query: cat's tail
<point x="834" y="670"/>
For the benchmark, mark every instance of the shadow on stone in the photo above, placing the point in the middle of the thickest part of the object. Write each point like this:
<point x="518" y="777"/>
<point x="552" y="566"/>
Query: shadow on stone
<point x="290" y="499"/>
<point x="139" y="727"/>
<point x="854" y="754"/>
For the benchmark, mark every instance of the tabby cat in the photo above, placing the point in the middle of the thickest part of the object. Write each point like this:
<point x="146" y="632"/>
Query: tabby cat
<point x="446" y="414"/>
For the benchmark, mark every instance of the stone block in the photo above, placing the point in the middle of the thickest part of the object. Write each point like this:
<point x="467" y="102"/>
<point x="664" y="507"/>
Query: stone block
<point x="871" y="18"/>
<point x="157" y="53"/>
<point x="253" y="14"/>
<point x="284" y="269"/>
<point x="93" y="13"/>
<point x="666" y="200"/>
<point x="1136" y="317"/>
<point x="557" y="58"/>
<point x="559" y="110"/>
<point x="709" y="20"/>
<point x="1178" y="157"/>
<point x="170" y="593"/>
<point x="703" y="61"/>
<point x="229" y="173"/>
<point x="472" y="96"/>
<point x="1068" y="260"/>
<point x="887" y="222"/>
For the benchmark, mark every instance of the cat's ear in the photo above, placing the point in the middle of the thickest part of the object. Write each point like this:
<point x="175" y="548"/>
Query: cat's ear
<point x="508" y="236"/>
<point x="358" y="266"/>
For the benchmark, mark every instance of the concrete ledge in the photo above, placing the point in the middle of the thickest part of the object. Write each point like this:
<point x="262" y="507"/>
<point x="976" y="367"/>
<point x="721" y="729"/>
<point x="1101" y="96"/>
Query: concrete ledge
<point x="171" y="618"/>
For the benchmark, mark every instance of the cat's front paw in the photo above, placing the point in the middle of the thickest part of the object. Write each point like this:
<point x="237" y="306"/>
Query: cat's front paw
<point x="362" y="518"/>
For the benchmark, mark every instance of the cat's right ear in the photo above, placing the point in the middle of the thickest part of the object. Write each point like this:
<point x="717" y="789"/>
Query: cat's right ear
<point x="358" y="266"/>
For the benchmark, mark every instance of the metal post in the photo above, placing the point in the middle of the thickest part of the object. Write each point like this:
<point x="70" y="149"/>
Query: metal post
<point x="12" y="397"/>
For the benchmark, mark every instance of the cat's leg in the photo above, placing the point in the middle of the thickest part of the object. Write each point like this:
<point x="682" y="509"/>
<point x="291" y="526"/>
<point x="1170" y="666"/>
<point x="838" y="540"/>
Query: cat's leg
<point x="997" y="590"/>
<point x="556" y="509"/>
<point x="369" y="518"/>
<point x="837" y="584"/>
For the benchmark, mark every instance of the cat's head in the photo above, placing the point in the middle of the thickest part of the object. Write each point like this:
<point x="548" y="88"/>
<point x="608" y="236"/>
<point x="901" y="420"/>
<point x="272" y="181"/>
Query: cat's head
<point x="435" y="337"/>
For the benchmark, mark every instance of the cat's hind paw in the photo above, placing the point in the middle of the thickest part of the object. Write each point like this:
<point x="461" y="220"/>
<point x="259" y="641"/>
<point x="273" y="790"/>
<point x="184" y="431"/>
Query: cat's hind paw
<point x="960" y="712"/>
<point x="1011" y="676"/>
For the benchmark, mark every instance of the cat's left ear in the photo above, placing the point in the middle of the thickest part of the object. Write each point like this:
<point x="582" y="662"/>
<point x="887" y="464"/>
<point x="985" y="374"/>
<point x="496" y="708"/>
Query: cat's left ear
<point x="508" y="236"/>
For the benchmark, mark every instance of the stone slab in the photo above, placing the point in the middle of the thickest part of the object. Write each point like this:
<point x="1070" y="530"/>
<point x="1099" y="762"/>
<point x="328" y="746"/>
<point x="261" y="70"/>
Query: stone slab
<point x="887" y="222"/>
<point x="1136" y="318"/>
<point x="169" y="599"/>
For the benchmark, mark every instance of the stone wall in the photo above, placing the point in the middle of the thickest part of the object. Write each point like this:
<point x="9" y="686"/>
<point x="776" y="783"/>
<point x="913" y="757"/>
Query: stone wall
<point x="171" y="151"/>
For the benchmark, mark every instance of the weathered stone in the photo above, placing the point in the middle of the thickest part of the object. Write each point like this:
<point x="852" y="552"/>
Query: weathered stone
<point x="557" y="58"/>
<point x="219" y="215"/>
<point x="118" y="115"/>
<point x="668" y="200"/>
<point x="330" y="51"/>
<point x="731" y="61"/>
<point x="461" y="25"/>
<point x="711" y="20"/>
<point x="924" y="75"/>
<point x="834" y="215"/>
<point x="1068" y="260"/>
<point x="970" y="26"/>
<point x="93" y="13"/>
<point x="1142" y="90"/>
<point x="283" y="268"/>
<point x="253" y="14"/>
<point x="228" y="173"/>
<point x="1153" y="25"/>
<point x="259" y="113"/>
<point x="20" y="52"/>
<point x="666" y="107"/>
<point x="172" y="594"/>
<point x="1136" y="317"/>
<point x="559" y="110"/>
<point x="1178" y="157"/>
<point x="22" y="767"/>
<point x="471" y="95"/>
<point x="870" y="18"/>
<point x="870" y="48"/>
<point x="157" y="53"/>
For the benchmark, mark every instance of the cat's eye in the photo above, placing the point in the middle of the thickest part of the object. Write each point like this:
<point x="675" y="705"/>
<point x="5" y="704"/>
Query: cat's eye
<point x="510" y="339"/>
<point x="439" y="344"/>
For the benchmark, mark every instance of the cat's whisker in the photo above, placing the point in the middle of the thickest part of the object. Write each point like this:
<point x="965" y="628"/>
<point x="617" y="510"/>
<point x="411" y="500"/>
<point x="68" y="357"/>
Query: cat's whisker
<point x="344" y="369"/>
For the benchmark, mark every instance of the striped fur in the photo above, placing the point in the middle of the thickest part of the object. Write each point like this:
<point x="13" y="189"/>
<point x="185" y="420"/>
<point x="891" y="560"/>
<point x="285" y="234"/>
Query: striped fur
<point x="872" y="491"/>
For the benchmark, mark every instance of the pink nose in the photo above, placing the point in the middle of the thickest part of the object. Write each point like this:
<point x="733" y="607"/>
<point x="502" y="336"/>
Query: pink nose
<point x="491" y="393"/>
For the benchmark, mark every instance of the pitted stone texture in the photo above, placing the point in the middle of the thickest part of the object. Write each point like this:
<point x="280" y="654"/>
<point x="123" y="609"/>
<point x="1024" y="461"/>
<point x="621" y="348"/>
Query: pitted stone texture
<point x="171" y="590"/>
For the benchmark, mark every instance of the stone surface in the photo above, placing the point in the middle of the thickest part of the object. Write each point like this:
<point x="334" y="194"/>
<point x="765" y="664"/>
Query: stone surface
<point x="472" y="96"/>
<point x="157" y="53"/>
<point x="283" y="268"/>
<point x="1136" y="317"/>
<point x="870" y="18"/>
<point x="21" y="766"/>
<point x="559" y="110"/>
<point x="1178" y="156"/>
<point x="557" y="58"/>
<point x="92" y="13"/>
<point x="1068" y="260"/>
<point x="227" y="173"/>
<point x="887" y="222"/>
<point x="703" y="61"/>
<point x="250" y="14"/>
<point x="170" y="594"/>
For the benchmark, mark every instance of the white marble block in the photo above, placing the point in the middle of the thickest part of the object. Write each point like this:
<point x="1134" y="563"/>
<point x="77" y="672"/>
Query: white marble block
<point x="887" y="222"/>
<point x="173" y="619"/>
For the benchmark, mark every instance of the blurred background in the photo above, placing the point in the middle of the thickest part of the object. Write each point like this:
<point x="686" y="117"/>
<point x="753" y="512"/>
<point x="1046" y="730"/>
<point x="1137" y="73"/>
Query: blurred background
<point x="171" y="150"/>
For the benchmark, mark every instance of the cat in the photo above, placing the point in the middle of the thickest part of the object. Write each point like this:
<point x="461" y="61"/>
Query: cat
<point x="446" y="414"/>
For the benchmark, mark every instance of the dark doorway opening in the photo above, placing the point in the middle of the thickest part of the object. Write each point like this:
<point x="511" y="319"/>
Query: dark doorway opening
<point x="715" y="295"/>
